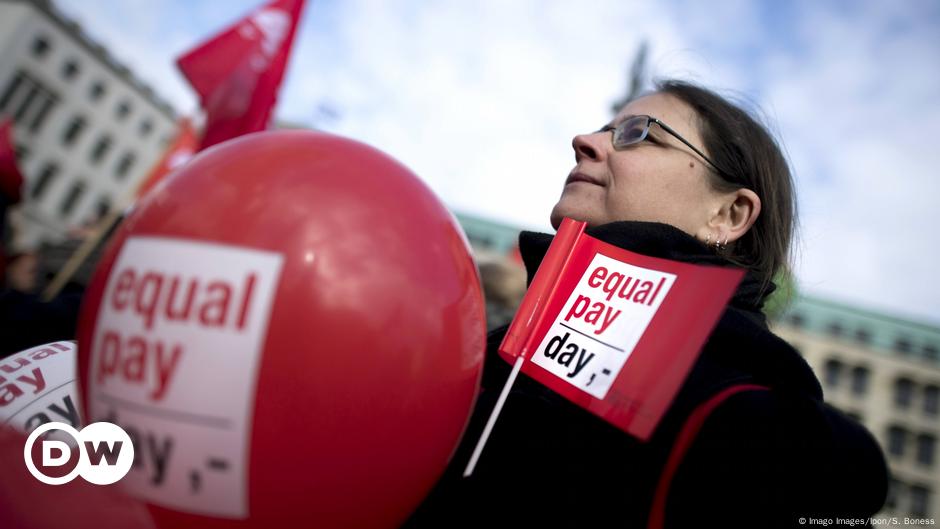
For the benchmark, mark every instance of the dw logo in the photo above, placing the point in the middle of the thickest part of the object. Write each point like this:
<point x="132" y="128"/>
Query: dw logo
<point x="102" y="453"/>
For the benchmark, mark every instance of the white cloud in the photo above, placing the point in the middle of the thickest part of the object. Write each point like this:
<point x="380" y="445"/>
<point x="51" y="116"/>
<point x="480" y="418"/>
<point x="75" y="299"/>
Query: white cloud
<point x="859" y="110"/>
<point x="480" y="99"/>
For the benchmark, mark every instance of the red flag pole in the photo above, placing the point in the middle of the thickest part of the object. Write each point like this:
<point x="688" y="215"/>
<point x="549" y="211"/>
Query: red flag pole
<point x="507" y="387"/>
<point x="531" y="314"/>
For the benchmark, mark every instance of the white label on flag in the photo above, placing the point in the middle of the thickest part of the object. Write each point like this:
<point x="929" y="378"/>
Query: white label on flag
<point x="175" y="356"/>
<point x="601" y="323"/>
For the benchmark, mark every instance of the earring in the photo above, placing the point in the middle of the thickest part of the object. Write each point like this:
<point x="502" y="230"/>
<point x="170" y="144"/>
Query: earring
<point x="708" y="240"/>
<point x="721" y="246"/>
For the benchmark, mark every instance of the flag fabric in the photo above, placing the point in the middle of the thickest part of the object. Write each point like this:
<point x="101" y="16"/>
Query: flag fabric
<point x="184" y="146"/>
<point x="614" y="331"/>
<point x="237" y="72"/>
<point x="11" y="180"/>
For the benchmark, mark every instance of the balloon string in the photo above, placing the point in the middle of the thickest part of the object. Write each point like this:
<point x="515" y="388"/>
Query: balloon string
<point x="493" y="416"/>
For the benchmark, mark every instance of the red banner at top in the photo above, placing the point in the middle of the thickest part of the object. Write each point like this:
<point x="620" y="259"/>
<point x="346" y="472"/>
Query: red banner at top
<point x="237" y="73"/>
<point x="614" y="331"/>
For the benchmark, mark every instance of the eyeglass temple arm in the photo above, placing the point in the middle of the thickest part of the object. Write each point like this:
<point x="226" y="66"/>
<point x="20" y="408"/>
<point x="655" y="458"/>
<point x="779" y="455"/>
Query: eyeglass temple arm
<point x="668" y="129"/>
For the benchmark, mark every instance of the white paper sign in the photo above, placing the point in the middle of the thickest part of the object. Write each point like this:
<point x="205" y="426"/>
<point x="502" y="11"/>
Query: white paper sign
<point x="38" y="386"/>
<point x="601" y="323"/>
<point x="175" y="359"/>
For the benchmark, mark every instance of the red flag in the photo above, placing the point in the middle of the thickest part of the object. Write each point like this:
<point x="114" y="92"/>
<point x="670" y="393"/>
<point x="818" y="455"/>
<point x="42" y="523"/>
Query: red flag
<point x="181" y="150"/>
<point x="237" y="73"/>
<point x="11" y="180"/>
<point x="614" y="331"/>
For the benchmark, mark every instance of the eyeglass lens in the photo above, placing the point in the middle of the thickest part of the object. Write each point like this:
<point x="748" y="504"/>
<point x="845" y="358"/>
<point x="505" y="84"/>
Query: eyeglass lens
<point x="631" y="131"/>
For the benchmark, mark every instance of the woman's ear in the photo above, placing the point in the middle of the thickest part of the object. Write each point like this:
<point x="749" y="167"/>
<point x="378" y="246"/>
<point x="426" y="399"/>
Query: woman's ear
<point x="738" y="212"/>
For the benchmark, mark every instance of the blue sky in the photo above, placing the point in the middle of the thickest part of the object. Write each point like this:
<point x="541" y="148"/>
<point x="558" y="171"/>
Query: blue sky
<point x="481" y="99"/>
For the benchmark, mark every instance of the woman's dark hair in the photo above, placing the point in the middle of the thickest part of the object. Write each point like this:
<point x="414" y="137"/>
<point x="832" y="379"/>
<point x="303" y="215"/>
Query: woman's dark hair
<point x="743" y="149"/>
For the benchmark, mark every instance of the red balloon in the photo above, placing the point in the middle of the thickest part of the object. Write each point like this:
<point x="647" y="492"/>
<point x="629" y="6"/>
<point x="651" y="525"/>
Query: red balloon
<point x="291" y="330"/>
<point x="26" y="503"/>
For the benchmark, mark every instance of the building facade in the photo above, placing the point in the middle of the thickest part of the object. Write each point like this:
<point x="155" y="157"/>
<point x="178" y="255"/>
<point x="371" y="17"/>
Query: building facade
<point x="884" y="371"/>
<point x="86" y="131"/>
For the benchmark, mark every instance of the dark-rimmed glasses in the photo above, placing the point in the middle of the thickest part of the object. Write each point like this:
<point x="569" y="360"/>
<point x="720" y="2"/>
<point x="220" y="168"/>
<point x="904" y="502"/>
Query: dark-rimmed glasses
<point x="635" y="129"/>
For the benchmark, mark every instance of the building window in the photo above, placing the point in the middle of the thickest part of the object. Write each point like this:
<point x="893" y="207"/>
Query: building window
<point x="12" y="90"/>
<point x="26" y="104"/>
<point x="897" y="439"/>
<point x="902" y="345"/>
<point x="903" y="393"/>
<point x="102" y="208"/>
<point x="146" y="127"/>
<point x="100" y="149"/>
<point x="71" y="198"/>
<point x="70" y="69"/>
<point x="797" y="320"/>
<point x="894" y="490"/>
<point x="863" y="336"/>
<point x="832" y="372"/>
<point x="46" y="175"/>
<point x="925" y="449"/>
<point x="123" y="109"/>
<point x="40" y="47"/>
<point x="931" y="352"/>
<point x="96" y="91"/>
<point x="834" y="329"/>
<point x="860" y="376"/>
<point x="123" y="166"/>
<point x="27" y="100"/>
<point x="73" y="130"/>
<point x="39" y="117"/>
<point x="931" y="398"/>
<point x="919" y="501"/>
<point x="20" y="153"/>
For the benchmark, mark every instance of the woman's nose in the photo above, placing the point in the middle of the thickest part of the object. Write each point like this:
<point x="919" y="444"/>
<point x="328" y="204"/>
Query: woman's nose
<point x="587" y="146"/>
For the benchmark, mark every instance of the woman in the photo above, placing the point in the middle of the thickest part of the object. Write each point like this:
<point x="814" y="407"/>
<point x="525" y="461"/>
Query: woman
<point x="685" y="175"/>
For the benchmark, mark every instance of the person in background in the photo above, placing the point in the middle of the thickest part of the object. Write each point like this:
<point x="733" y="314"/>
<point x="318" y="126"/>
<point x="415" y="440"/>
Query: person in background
<point x="11" y="187"/>
<point x="503" y="287"/>
<point x="680" y="173"/>
<point x="22" y="272"/>
<point x="26" y="320"/>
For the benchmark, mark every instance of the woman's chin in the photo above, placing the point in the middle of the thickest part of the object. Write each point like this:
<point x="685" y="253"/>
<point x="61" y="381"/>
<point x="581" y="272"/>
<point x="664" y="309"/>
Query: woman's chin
<point x="556" y="216"/>
<point x="562" y="210"/>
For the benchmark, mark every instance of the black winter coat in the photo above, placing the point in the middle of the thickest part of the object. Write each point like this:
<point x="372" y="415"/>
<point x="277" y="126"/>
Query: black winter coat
<point x="761" y="459"/>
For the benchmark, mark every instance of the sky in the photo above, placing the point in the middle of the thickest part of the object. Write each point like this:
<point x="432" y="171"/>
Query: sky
<point x="481" y="99"/>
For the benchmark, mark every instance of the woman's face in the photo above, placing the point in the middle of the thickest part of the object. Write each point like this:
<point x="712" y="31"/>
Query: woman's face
<point x="658" y="179"/>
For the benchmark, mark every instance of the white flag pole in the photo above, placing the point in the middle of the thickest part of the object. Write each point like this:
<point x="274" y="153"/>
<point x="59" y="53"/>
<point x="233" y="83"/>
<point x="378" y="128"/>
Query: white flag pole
<point x="494" y="415"/>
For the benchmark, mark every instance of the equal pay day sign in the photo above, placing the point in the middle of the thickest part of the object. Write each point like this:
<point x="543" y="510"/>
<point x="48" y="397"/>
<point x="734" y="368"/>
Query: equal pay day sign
<point x="614" y="331"/>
